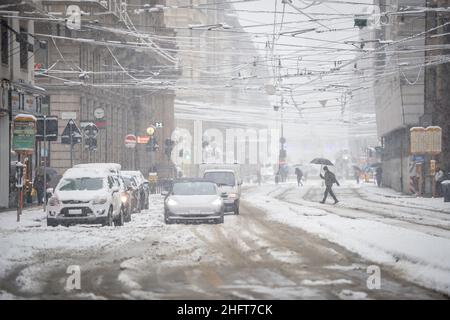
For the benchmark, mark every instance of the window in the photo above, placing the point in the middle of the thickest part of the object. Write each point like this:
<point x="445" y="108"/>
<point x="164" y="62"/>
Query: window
<point x="23" y="38"/>
<point x="81" y="184"/>
<point x="221" y="178"/>
<point x="194" y="189"/>
<point x="4" y="42"/>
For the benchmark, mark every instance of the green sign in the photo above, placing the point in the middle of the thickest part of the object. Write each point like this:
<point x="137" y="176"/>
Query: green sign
<point x="24" y="136"/>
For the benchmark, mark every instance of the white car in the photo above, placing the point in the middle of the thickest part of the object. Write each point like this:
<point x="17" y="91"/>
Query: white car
<point x="86" y="195"/>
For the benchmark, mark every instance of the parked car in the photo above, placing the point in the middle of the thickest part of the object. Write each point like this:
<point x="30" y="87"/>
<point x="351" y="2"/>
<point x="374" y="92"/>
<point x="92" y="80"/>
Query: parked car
<point x="144" y="187"/>
<point x="86" y="195"/>
<point x="133" y="192"/>
<point x="193" y="200"/>
<point x="114" y="170"/>
<point x="228" y="179"/>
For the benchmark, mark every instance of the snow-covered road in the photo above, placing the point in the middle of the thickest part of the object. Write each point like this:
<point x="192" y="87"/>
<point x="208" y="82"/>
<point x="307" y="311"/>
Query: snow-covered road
<point x="283" y="245"/>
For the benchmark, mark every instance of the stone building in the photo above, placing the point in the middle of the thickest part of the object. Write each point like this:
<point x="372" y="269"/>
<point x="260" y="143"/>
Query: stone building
<point x="98" y="74"/>
<point x="18" y="92"/>
<point x="411" y="87"/>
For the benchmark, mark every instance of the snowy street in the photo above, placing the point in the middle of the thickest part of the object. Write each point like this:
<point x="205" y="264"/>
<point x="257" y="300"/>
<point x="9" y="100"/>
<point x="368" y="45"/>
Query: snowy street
<point x="283" y="245"/>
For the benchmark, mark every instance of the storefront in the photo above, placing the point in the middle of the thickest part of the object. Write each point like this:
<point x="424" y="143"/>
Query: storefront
<point x="16" y="98"/>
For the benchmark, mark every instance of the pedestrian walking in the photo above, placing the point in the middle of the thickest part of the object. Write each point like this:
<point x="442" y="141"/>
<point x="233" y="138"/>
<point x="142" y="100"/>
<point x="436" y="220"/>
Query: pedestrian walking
<point x="357" y="174"/>
<point x="299" y="174"/>
<point x="438" y="178"/>
<point x="330" y="179"/>
<point x="38" y="183"/>
<point x="379" y="176"/>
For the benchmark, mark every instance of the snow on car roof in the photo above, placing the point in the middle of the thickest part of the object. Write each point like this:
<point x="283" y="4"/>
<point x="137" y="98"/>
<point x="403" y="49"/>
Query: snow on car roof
<point x="74" y="173"/>
<point x="110" y="166"/>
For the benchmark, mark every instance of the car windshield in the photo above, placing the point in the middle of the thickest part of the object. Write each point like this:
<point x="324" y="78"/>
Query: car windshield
<point x="221" y="178"/>
<point x="81" y="184"/>
<point x="194" y="188"/>
<point x="128" y="181"/>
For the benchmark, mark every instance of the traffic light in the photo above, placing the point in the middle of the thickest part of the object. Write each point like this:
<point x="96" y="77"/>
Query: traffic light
<point x="90" y="143"/>
<point x="169" y="144"/>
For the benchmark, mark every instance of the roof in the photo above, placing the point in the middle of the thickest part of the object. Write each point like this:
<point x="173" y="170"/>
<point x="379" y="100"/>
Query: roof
<point x="191" y="180"/>
<point x="74" y="173"/>
<point x="109" y="166"/>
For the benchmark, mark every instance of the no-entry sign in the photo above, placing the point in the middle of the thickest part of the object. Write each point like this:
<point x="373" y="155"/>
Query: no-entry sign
<point x="130" y="141"/>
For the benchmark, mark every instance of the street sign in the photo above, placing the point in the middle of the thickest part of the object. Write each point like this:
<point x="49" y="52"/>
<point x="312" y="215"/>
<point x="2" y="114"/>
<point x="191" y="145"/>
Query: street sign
<point x="71" y="134"/>
<point x="51" y="128"/>
<point x="142" y="139"/>
<point x="426" y="140"/>
<point x="68" y="115"/>
<point x="90" y="130"/>
<point x="130" y="141"/>
<point x="99" y="113"/>
<point x="24" y="133"/>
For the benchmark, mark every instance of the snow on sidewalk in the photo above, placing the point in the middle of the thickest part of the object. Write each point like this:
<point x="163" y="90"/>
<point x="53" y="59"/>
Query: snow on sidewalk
<point x="391" y="196"/>
<point x="417" y="256"/>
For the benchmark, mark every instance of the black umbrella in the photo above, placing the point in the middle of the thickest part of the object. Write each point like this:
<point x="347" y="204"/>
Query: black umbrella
<point x="322" y="162"/>
<point x="375" y="165"/>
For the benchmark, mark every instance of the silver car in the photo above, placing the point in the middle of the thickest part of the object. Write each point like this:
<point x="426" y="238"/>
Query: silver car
<point x="193" y="200"/>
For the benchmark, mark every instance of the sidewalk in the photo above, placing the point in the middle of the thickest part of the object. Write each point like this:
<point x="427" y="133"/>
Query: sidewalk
<point x="393" y="197"/>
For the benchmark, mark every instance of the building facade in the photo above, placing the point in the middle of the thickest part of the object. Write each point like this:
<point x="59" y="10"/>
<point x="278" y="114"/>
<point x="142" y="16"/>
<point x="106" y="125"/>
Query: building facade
<point x="18" y="92"/>
<point x="411" y="87"/>
<point x="97" y="75"/>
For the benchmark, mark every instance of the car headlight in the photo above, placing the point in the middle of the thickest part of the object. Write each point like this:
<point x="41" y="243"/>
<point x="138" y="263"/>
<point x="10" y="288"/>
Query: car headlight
<point x="232" y="195"/>
<point x="53" y="201"/>
<point x="217" y="202"/>
<point x="101" y="200"/>
<point x="171" y="202"/>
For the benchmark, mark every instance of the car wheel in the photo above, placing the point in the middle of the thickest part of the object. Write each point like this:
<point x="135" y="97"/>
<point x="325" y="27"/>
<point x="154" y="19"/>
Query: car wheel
<point x="109" y="219"/>
<point x="166" y="218"/>
<point x="51" y="223"/>
<point x="236" y="209"/>
<point x="127" y="214"/>
<point x="119" y="220"/>
<point x="220" y="220"/>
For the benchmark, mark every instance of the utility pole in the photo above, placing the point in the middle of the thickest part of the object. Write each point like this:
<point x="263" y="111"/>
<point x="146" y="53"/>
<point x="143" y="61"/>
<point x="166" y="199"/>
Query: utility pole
<point x="71" y="146"/>
<point x="45" y="162"/>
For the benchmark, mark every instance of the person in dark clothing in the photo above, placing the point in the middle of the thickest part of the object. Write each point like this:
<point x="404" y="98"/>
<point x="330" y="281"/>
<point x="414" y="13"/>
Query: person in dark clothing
<point x="330" y="179"/>
<point x="38" y="184"/>
<point x="299" y="174"/>
<point x="379" y="176"/>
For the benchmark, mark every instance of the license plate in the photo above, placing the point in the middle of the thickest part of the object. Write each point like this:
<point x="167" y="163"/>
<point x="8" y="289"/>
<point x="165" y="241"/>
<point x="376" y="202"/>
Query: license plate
<point x="75" y="211"/>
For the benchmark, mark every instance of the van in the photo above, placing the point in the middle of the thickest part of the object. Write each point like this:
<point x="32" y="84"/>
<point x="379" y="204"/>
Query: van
<point x="229" y="181"/>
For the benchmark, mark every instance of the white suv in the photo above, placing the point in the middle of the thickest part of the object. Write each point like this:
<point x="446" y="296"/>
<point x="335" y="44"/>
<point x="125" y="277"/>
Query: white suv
<point x="86" y="195"/>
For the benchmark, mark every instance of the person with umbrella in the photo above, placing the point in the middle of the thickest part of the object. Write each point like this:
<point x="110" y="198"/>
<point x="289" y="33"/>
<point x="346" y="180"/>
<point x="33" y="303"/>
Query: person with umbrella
<point x="299" y="174"/>
<point x="330" y="179"/>
<point x="357" y="173"/>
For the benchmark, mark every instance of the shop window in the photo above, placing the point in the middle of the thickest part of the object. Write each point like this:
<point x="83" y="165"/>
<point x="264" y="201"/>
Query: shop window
<point x="4" y="41"/>
<point x="23" y="49"/>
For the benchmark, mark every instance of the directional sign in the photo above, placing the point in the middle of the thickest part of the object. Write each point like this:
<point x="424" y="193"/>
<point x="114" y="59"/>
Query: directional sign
<point x="71" y="130"/>
<point x="143" y="139"/>
<point x="130" y="141"/>
<point x="51" y="128"/>
<point x="90" y="130"/>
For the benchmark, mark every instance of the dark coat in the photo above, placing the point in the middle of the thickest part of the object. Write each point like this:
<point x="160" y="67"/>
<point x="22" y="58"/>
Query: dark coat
<point x="329" y="178"/>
